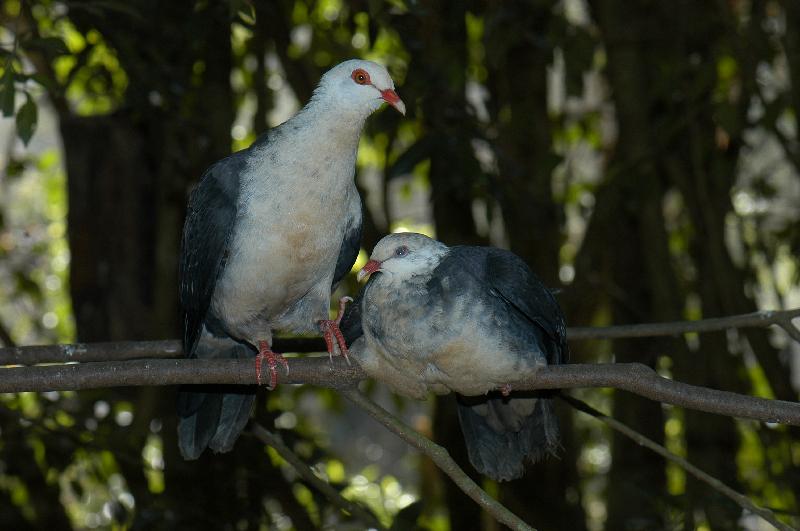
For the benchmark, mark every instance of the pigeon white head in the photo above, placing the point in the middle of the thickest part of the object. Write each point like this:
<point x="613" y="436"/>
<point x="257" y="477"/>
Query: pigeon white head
<point x="403" y="255"/>
<point x="358" y="88"/>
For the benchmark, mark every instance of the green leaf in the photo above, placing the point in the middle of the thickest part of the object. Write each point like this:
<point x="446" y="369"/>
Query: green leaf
<point x="7" y="90"/>
<point x="27" y="117"/>
<point x="52" y="46"/>
<point x="243" y="11"/>
<point x="45" y="81"/>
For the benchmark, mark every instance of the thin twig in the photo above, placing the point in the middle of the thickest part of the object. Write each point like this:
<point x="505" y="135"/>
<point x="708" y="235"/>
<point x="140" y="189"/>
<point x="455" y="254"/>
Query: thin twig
<point x="438" y="455"/>
<point x="274" y="440"/>
<point x="166" y="349"/>
<point x="129" y="350"/>
<point x="706" y="478"/>
<point x="785" y="322"/>
<point x="633" y="377"/>
<point x="782" y="318"/>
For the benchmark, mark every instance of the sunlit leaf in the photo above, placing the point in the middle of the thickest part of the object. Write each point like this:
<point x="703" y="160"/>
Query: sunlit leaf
<point x="243" y="12"/>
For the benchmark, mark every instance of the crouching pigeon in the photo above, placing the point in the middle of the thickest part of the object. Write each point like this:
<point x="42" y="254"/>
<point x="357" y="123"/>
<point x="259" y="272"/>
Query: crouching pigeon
<point x="269" y="233"/>
<point x="469" y="320"/>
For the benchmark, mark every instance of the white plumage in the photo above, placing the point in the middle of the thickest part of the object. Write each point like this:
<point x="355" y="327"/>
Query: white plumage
<point x="269" y="233"/>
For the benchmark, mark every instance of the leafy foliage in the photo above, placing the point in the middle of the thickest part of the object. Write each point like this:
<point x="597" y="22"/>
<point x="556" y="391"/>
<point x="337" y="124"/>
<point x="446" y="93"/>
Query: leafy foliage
<point x="646" y="158"/>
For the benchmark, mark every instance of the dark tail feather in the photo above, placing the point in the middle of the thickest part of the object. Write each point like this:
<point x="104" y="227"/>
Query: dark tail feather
<point x="215" y="420"/>
<point x="235" y="413"/>
<point x="213" y="416"/>
<point x="502" y="434"/>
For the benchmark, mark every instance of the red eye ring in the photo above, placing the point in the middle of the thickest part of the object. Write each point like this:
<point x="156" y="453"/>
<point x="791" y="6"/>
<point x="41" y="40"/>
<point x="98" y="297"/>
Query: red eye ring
<point x="360" y="76"/>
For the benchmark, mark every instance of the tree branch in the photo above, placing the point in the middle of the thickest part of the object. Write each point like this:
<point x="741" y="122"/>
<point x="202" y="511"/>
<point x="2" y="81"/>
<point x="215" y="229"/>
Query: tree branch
<point x="782" y="318"/>
<point x="710" y="480"/>
<point x="126" y="350"/>
<point x="274" y="440"/>
<point x="633" y="377"/>
<point x="438" y="455"/>
<point x="129" y="350"/>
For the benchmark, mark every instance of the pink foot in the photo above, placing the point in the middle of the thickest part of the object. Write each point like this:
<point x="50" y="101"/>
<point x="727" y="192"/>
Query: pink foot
<point x="272" y="358"/>
<point x="330" y="331"/>
<point x="505" y="389"/>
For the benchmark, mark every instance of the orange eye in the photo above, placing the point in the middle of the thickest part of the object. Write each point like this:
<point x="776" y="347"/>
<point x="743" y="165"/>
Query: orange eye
<point x="360" y="76"/>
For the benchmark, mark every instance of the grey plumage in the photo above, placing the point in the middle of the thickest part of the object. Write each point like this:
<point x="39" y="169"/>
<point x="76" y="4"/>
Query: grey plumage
<point x="469" y="320"/>
<point x="269" y="233"/>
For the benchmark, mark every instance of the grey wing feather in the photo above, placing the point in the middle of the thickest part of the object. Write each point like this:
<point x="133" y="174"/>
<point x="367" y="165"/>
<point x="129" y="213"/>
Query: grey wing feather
<point x="206" y="235"/>
<point x="501" y="433"/>
<point x="520" y="287"/>
<point x="508" y="277"/>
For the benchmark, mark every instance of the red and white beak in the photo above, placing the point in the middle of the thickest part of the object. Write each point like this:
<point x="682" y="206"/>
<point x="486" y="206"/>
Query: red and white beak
<point x="391" y="97"/>
<point x="369" y="268"/>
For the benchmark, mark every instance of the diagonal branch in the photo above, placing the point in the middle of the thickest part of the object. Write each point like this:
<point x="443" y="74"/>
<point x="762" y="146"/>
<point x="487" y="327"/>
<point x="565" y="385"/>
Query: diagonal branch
<point x="438" y="455"/>
<point x="274" y="440"/>
<point x="706" y="478"/>
<point x="633" y="377"/>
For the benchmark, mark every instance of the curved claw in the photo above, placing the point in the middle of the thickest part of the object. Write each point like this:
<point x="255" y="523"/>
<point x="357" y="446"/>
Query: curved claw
<point x="272" y="359"/>
<point x="330" y="331"/>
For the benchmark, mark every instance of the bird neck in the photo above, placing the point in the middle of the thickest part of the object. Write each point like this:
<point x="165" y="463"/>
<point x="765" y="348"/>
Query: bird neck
<point x="333" y="125"/>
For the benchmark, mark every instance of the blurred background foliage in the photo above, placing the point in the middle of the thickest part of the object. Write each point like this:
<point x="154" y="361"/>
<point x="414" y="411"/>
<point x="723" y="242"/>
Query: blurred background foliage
<point x="642" y="156"/>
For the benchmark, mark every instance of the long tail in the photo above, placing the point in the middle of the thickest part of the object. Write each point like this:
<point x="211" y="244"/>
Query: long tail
<point x="213" y="416"/>
<point x="502" y="434"/>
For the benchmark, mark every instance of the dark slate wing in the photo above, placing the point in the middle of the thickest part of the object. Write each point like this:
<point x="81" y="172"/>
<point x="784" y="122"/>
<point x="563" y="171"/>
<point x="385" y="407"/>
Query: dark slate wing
<point x="206" y="235"/>
<point x="508" y="277"/>
<point x="351" y="326"/>
<point x="348" y="252"/>
<point x="514" y="281"/>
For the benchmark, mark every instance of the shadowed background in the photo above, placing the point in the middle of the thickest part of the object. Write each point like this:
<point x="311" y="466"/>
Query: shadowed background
<point x="641" y="156"/>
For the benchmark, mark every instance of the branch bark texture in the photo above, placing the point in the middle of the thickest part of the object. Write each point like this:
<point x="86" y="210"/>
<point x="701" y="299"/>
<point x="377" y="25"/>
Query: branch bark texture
<point x="633" y="377"/>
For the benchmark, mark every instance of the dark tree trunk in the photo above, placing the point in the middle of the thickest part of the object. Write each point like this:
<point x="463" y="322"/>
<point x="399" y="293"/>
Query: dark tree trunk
<point x="129" y="174"/>
<point x="547" y="495"/>
<point x="792" y="46"/>
<point x="524" y="143"/>
<point x="439" y="60"/>
<point x="633" y="246"/>
<point x="437" y="45"/>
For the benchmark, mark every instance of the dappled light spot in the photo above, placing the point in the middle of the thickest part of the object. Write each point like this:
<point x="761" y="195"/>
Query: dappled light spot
<point x="123" y="418"/>
<point x="286" y="421"/>
<point x="101" y="409"/>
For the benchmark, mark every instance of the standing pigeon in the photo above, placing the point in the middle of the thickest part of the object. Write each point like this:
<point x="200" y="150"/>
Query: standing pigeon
<point x="269" y="233"/>
<point x="469" y="320"/>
